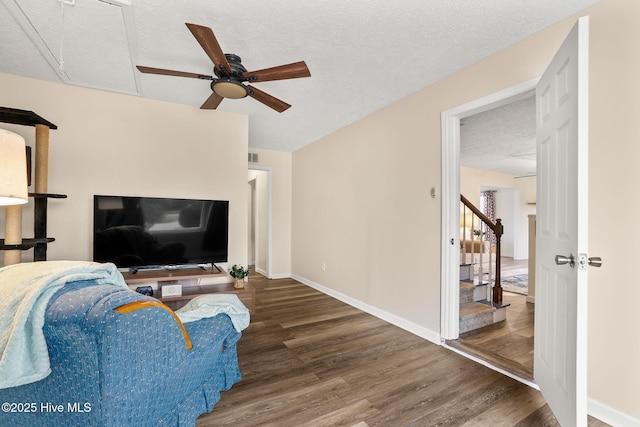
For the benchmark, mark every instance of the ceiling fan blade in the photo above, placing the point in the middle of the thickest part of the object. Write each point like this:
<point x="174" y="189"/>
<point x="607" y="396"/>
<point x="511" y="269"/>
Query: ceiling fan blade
<point x="282" y="72"/>
<point x="268" y="100"/>
<point x="212" y="102"/>
<point x="151" y="70"/>
<point x="208" y="41"/>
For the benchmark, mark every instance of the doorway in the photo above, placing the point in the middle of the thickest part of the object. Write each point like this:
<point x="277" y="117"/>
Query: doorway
<point x="259" y="220"/>
<point x="451" y="190"/>
<point x="562" y="123"/>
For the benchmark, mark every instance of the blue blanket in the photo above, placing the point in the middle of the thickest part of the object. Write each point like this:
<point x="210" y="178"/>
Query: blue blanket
<point x="26" y="289"/>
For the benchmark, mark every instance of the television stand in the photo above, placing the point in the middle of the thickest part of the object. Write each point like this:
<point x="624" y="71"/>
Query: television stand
<point x="188" y="278"/>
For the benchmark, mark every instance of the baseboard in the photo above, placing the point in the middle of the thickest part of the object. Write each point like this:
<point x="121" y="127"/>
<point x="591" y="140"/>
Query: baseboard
<point x="418" y="330"/>
<point x="281" y="276"/>
<point x="531" y="299"/>
<point x="609" y="415"/>
<point x="273" y="276"/>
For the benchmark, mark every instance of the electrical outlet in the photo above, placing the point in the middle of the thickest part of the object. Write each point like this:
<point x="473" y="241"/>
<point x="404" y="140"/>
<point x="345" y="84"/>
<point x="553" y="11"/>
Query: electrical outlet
<point x="323" y="266"/>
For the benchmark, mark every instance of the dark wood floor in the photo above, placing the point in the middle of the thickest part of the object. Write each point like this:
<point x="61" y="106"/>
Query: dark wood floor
<point x="310" y="360"/>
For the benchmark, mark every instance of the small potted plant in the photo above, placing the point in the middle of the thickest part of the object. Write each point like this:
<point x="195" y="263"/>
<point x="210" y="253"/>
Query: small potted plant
<point x="478" y="233"/>
<point x="238" y="273"/>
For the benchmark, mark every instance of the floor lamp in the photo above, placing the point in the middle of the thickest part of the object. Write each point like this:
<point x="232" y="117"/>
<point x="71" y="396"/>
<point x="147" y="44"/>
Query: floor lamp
<point x="13" y="190"/>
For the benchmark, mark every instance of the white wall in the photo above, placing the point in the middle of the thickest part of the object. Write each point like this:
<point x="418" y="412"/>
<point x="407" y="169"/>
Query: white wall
<point x="361" y="197"/>
<point x="505" y="200"/>
<point x="117" y="144"/>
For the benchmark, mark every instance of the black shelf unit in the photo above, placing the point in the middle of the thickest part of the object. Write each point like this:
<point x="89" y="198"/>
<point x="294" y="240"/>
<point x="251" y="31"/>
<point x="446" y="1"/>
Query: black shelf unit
<point x="26" y="244"/>
<point x="40" y="240"/>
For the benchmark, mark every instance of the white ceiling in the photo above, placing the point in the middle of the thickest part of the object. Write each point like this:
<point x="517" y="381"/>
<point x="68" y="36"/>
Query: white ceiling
<point x="502" y="139"/>
<point x="363" y="55"/>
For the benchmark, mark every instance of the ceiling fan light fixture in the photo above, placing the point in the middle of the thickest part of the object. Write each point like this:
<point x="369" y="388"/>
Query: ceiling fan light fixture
<point x="229" y="89"/>
<point x="230" y="74"/>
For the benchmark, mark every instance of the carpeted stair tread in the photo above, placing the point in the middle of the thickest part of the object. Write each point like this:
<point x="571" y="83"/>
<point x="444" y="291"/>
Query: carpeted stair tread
<point x="466" y="292"/>
<point x="474" y="315"/>
<point x="475" y="309"/>
<point x="470" y="292"/>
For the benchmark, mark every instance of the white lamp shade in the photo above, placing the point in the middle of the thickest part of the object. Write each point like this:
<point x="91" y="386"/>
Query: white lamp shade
<point x="13" y="169"/>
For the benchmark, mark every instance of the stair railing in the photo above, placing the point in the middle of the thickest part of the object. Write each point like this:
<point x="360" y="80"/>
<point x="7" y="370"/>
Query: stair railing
<point x="486" y="224"/>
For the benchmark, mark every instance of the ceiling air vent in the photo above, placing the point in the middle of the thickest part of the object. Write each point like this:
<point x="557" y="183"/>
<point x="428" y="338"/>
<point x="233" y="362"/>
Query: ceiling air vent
<point x="253" y="157"/>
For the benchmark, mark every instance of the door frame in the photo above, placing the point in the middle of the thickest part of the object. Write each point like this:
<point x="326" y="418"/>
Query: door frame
<point x="267" y="169"/>
<point x="450" y="239"/>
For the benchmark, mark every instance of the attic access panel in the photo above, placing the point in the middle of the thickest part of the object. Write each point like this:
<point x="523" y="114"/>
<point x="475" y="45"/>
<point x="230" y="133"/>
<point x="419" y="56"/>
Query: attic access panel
<point x="87" y="43"/>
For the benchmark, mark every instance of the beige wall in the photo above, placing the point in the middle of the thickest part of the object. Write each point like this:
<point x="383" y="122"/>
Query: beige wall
<point x="614" y="347"/>
<point x="361" y="200"/>
<point x="117" y="144"/>
<point x="472" y="180"/>
<point x="362" y="208"/>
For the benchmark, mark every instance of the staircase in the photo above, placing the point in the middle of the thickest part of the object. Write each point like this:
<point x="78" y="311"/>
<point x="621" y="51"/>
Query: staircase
<point x="476" y="311"/>
<point x="480" y="290"/>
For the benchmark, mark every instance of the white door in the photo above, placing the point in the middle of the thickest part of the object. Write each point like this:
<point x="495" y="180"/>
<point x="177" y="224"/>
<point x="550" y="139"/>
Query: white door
<point x="561" y="288"/>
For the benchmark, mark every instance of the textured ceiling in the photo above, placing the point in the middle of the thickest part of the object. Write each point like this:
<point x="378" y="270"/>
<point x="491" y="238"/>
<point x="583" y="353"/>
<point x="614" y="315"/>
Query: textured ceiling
<point x="363" y="55"/>
<point x="502" y="139"/>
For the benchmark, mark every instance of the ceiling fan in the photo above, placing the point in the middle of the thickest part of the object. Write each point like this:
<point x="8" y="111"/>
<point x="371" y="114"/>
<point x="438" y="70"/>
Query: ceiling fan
<point x="231" y="75"/>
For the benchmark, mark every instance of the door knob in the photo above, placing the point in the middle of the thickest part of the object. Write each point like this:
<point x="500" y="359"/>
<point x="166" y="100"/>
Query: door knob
<point x="562" y="260"/>
<point x="595" y="261"/>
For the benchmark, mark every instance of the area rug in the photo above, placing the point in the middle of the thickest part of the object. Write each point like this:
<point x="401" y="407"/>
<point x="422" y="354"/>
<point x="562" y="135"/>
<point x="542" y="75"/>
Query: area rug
<point x="516" y="281"/>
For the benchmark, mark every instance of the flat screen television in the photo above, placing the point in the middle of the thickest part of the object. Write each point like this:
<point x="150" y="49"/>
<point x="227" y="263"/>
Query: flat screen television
<point x="154" y="232"/>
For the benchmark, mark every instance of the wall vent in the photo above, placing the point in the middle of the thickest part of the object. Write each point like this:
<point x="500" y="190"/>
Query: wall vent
<point x="253" y="157"/>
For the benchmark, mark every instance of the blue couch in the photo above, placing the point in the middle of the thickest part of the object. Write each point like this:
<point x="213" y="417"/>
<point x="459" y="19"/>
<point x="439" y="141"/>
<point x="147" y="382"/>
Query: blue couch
<point x="131" y="369"/>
